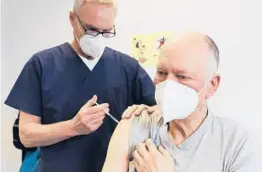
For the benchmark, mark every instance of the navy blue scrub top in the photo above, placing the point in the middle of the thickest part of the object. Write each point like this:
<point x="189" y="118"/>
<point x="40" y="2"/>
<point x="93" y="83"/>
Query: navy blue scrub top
<point x="55" y="83"/>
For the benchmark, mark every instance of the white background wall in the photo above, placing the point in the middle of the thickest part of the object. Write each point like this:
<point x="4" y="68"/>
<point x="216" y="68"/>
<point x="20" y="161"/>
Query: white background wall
<point x="236" y="25"/>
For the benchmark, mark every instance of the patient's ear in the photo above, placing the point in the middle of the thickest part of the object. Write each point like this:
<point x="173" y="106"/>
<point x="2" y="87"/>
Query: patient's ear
<point x="213" y="86"/>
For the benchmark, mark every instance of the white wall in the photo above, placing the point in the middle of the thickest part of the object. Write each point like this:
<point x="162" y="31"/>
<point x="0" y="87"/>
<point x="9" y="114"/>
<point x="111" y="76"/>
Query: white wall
<point x="0" y="89"/>
<point x="29" y="26"/>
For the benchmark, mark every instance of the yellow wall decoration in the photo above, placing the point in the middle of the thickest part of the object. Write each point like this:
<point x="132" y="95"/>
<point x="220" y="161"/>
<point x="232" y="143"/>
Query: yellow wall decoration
<point x="145" y="47"/>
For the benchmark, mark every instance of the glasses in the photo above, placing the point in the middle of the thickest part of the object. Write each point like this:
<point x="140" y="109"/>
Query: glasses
<point x="94" y="32"/>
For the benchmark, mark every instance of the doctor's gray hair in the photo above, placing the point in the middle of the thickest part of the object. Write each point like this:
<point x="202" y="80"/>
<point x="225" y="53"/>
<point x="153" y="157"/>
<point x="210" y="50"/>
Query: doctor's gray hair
<point x="79" y="3"/>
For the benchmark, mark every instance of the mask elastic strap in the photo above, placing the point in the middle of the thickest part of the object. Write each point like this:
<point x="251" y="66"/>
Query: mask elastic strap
<point x="204" y="87"/>
<point x="80" y="27"/>
<point x="209" y="79"/>
<point x="76" y="37"/>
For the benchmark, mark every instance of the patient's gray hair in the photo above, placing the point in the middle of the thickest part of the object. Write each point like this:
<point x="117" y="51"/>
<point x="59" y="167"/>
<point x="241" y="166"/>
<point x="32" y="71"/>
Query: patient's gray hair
<point x="213" y="48"/>
<point x="79" y="3"/>
<point x="213" y="61"/>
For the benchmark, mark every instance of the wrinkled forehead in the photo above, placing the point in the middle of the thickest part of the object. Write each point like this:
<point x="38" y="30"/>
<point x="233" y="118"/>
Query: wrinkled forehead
<point x="184" y="56"/>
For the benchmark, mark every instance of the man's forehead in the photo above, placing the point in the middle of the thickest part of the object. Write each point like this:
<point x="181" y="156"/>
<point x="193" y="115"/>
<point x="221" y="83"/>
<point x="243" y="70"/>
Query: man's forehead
<point x="181" y="64"/>
<point x="183" y="50"/>
<point x="193" y="40"/>
<point x="98" y="7"/>
<point x="98" y="15"/>
<point x="185" y="53"/>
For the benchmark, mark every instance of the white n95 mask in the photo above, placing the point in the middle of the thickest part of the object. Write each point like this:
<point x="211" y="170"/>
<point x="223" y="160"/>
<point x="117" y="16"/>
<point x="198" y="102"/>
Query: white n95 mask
<point x="93" y="46"/>
<point x="176" y="100"/>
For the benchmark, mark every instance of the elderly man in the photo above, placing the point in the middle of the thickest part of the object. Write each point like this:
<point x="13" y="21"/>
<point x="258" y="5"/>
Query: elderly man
<point x="54" y="87"/>
<point x="189" y="138"/>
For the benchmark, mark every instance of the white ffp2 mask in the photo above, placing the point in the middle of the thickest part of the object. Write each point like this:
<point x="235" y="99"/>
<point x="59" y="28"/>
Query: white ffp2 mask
<point x="176" y="100"/>
<point x="93" y="46"/>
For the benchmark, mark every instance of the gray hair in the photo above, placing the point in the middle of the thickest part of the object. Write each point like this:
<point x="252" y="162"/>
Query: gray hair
<point x="79" y="3"/>
<point x="214" y="48"/>
<point x="213" y="61"/>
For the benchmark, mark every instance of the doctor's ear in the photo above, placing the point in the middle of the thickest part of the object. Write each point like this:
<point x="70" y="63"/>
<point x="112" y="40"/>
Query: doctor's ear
<point x="72" y="18"/>
<point x="213" y="86"/>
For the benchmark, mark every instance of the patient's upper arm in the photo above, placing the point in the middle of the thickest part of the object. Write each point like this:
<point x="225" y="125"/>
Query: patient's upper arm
<point x="117" y="158"/>
<point x="127" y="134"/>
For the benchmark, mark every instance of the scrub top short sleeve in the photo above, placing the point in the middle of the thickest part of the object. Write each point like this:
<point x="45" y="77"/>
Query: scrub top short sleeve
<point x="26" y="93"/>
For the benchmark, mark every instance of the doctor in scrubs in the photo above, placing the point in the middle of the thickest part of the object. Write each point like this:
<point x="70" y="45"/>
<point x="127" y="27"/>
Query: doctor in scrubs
<point x="58" y="87"/>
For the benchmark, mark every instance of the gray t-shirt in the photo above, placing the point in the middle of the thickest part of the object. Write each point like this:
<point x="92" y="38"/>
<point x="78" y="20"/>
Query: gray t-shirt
<point x="218" y="145"/>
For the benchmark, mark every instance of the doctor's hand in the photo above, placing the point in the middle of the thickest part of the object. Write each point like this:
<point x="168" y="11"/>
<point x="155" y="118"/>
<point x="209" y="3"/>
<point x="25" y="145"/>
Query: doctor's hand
<point x="89" y="118"/>
<point x="147" y="158"/>
<point x="138" y="109"/>
<point x="134" y="110"/>
<point x="154" y="109"/>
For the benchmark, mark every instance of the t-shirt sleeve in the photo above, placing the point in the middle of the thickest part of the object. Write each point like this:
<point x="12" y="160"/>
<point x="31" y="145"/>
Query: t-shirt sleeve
<point x="246" y="158"/>
<point x="26" y="92"/>
<point x="143" y="127"/>
<point x="144" y="88"/>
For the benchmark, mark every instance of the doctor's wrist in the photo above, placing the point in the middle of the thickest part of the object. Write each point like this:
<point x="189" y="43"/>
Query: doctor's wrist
<point x="71" y="130"/>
